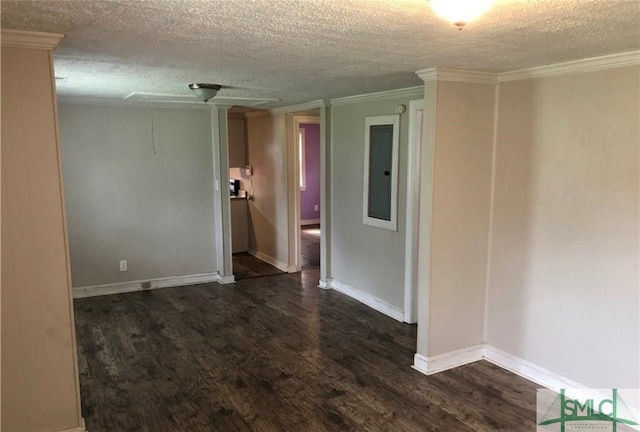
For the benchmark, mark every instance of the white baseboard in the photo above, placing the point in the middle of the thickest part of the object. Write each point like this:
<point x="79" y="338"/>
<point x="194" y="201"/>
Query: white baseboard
<point x="546" y="378"/>
<point x="81" y="428"/>
<point x="420" y="363"/>
<point x="268" y="259"/>
<point x="76" y="429"/>
<point x="528" y="370"/>
<point x="446" y="361"/>
<point x="516" y="365"/>
<point x="124" y="287"/>
<point x="325" y="283"/>
<point x="223" y="280"/>
<point x="364" y="297"/>
<point x="310" y="222"/>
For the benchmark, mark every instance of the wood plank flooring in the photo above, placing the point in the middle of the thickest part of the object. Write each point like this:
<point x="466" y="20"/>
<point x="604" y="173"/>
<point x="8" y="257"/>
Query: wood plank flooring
<point x="274" y="354"/>
<point x="310" y="241"/>
<point x="247" y="266"/>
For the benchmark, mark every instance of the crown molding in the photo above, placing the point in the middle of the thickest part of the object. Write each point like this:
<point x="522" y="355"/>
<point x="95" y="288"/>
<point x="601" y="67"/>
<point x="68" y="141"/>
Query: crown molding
<point x="131" y="103"/>
<point x="474" y="77"/>
<point x="300" y="107"/>
<point x="190" y="99"/>
<point x="29" y="39"/>
<point x="457" y="75"/>
<point x="631" y="58"/>
<point x="611" y="61"/>
<point x="427" y="75"/>
<point x="409" y="92"/>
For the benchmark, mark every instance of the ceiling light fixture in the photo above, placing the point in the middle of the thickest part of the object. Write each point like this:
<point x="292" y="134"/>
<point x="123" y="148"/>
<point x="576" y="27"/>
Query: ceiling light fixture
<point x="205" y="91"/>
<point x="460" y="12"/>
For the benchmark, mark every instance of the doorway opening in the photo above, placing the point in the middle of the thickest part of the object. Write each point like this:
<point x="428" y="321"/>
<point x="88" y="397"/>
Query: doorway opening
<point x="307" y="149"/>
<point x="310" y="250"/>
<point x="244" y="155"/>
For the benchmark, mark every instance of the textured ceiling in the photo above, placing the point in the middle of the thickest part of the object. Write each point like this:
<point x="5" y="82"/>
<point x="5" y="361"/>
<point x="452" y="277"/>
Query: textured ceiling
<point x="304" y="50"/>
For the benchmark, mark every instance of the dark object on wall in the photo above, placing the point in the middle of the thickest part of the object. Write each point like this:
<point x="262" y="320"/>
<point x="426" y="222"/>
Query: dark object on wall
<point x="234" y="187"/>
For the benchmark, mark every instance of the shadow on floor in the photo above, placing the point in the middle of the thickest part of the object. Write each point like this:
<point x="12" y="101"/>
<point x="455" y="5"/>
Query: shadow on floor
<point x="247" y="266"/>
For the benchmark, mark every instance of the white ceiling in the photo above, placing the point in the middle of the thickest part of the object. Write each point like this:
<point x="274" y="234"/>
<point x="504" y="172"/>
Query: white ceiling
<point x="303" y="50"/>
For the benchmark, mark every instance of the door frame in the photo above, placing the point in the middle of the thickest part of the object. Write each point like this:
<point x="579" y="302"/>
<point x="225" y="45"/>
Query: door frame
<point x="295" y="243"/>
<point x="221" y="198"/>
<point x="416" y="114"/>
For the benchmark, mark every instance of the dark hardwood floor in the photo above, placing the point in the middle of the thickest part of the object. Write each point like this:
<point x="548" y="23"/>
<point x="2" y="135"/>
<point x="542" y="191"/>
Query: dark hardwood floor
<point x="274" y="354"/>
<point x="310" y="246"/>
<point x="247" y="266"/>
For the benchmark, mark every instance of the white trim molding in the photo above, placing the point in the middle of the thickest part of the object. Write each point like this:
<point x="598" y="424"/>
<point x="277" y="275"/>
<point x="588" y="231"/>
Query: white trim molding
<point x="157" y="100"/>
<point x="76" y="429"/>
<point x="145" y="285"/>
<point x="29" y="39"/>
<point x="224" y="280"/>
<point x="190" y="99"/>
<point x="412" y="224"/>
<point x="420" y="363"/>
<point x="610" y="61"/>
<point x="502" y="359"/>
<point x="81" y="428"/>
<point x="391" y="223"/>
<point x="583" y="65"/>
<point x="325" y="283"/>
<point x="270" y="260"/>
<point x="528" y="370"/>
<point x="300" y="107"/>
<point x="511" y="363"/>
<point x="457" y="75"/>
<point x="309" y="222"/>
<point x="545" y="377"/>
<point x="427" y="75"/>
<point x="408" y="93"/>
<point x="446" y="361"/>
<point x="100" y="101"/>
<point x="364" y="297"/>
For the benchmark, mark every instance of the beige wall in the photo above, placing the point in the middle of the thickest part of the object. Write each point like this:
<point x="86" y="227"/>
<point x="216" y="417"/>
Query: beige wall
<point x="367" y="258"/>
<point x="268" y="211"/>
<point x="460" y="214"/>
<point x="125" y="202"/>
<point x="563" y="289"/>
<point x="39" y="375"/>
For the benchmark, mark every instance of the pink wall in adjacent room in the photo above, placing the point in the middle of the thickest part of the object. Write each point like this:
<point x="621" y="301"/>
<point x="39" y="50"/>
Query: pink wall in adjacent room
<point x="311" y="196"/>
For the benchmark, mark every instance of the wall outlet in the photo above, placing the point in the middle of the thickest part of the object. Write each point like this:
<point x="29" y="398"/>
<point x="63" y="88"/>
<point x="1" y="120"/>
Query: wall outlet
<point x="123" y="265"/>
<point x="315" y="207"/>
